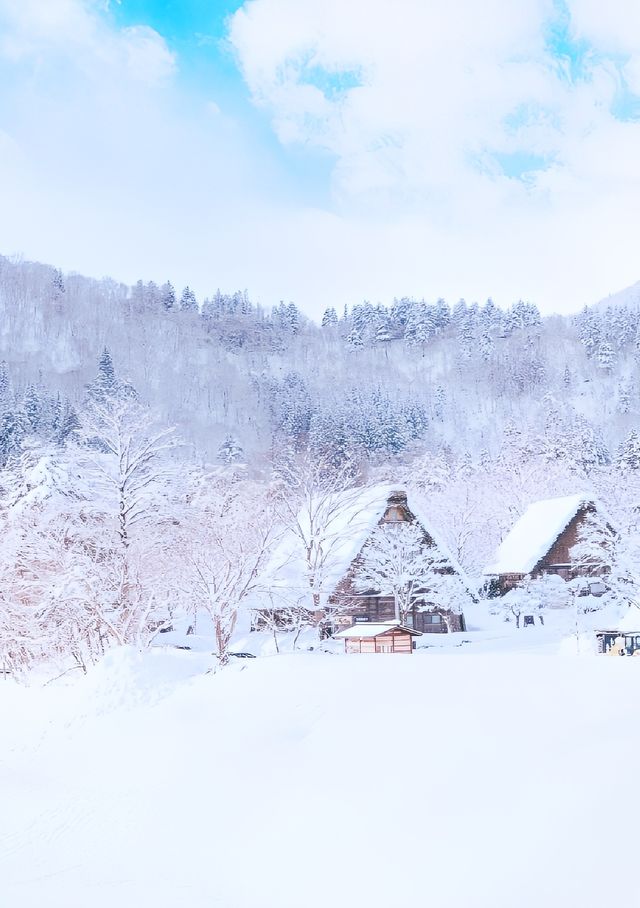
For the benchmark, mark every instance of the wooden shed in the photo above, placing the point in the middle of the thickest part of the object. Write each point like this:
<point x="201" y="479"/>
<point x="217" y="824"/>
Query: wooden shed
<point x="623" y="639"/>
<point x="386" y="637"/>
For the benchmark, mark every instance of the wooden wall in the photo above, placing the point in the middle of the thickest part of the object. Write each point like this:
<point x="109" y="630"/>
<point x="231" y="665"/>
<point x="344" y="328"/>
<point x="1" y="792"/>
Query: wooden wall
<point x="382" y="608"/>
<point x="353" y="604"/>
<point x="393" y="642"/>
<point x="560" y="551"/>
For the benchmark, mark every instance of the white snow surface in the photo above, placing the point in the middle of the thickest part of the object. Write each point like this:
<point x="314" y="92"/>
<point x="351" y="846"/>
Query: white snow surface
<point x="534" y="533"/>
<point x="285" y="574"/>
<point x="265" y="785"/>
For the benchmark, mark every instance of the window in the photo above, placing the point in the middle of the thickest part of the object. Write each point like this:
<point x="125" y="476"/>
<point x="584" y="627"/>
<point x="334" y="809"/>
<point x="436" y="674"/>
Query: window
<point x="432" y="619"/>
<point x="394" y="514"/>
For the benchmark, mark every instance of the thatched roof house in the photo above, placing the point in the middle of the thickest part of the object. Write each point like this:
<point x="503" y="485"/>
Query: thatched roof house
<point x="540" y="542"/>
<point x="352" y="518"/>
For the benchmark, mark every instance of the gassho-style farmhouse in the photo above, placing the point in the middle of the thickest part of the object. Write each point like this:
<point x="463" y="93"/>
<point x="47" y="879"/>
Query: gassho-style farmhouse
<point x="343" y="602"/>
<point x="368" y="620"/>
<point x="540" y="542"/>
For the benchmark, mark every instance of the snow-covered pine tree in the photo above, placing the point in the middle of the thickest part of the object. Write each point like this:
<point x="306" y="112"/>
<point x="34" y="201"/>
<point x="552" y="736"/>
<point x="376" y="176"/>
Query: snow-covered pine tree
<point x="330" y="318"/>
<point x="32" y="406"/>
<point x="57" y="286"/>
<point x="628" y="455"/>
<point x="230" y="451"/>
<point x="605" y="357"/>
<point x="13" y="429"/>
<point x="105" y="384"/>
<point x="188" y="301"/>
<point x="168" y="296"/>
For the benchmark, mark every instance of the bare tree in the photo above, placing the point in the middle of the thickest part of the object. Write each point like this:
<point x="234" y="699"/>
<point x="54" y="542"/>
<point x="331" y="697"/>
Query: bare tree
<point x="228" y="534"/>
<point x="321" y="506"/>
<point x="127" y="518"/>
<point x="398" y="561"/>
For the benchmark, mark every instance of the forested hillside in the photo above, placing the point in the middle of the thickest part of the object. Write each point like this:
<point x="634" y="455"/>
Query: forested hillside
<point x="146" y="436"/>
<point x="378" y="380"/>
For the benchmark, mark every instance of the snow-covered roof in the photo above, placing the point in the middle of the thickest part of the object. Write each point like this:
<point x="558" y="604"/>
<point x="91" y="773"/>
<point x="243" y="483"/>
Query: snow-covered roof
<point x="534" y="533"/>
<point x="354" y="514"/>
<point x="630" y="621"/>
<point x="370" y="629"/>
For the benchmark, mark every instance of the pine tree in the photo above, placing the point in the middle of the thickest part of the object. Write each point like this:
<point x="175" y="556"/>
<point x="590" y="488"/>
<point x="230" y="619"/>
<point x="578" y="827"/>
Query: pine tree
<point x="399" y="315"/>
<point x="420" y="327"/>
<point x="293" y="318"/>
<point x="628" y="456"/>
<point x="490" y="314"/>
<point x="486" y="345"/>
<point x="168" y="296"/>
<point x="57" y="284"/>
<point x="12" y="434"/>
<point x="68" y="424"/>
<point x="383" y="334"/>
<point x="466" y="335"/>
<point x="589" y="331"/>
<point x="106" y="372"/>
<point x="32" y="408"/>
<point x="105" y="384"/>
<point x="524" y="315"/>
<point x="442" y="315"/>
<point x="459" y="313"/>
<point x="5" y="384"/>
<point x="605" y="357"/>
<point x="330" y="318"/>
<point x="354" y="339"/>
<point x="188" y="301"/>
<point x="230" y="451"/>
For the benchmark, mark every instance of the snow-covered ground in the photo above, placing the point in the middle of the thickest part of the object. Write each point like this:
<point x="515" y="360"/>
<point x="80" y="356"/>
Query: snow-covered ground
<point x="311" y="779"/>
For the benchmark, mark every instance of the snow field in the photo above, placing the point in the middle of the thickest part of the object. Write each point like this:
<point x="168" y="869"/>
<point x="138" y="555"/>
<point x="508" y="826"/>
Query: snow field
<point x="314" y="780"/>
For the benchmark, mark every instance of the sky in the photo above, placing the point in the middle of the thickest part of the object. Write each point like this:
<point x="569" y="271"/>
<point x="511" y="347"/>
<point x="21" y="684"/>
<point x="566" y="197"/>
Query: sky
<point x="326" y="151"/>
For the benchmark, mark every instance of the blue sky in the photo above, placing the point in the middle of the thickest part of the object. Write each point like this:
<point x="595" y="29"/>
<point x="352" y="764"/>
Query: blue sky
<point x="326" y="151"/>
<point x="197" y="30"/>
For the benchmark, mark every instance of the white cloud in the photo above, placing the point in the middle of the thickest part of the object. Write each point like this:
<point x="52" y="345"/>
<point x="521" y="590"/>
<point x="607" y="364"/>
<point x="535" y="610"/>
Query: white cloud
<point x="423" y="110"/>
<point x="101" y="168"/>
<point x="611" y="26"/>
<point x="437" y="97"/>
<point x="46" y="32"/>
<point x="147" y="56"/>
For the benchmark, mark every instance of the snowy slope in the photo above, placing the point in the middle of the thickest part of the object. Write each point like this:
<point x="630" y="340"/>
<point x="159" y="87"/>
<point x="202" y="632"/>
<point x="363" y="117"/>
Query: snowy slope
<point x="314" y="780"/>
<point x="630" y="296"/>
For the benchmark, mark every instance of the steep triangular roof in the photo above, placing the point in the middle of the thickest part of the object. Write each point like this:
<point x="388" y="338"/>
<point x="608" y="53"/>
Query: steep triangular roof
<point x="534" y="533"/>
<point x="285" y="575"/>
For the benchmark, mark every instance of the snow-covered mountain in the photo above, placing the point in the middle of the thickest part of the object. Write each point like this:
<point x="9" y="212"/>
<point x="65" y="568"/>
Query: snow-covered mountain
<point x="379" y="381"/>
<point x="630" y="297"/>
